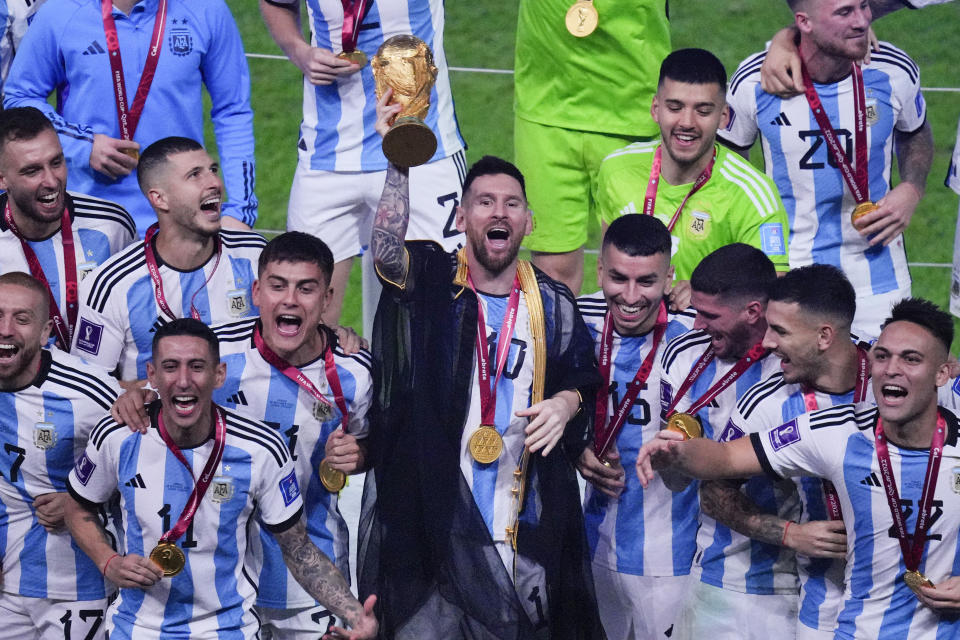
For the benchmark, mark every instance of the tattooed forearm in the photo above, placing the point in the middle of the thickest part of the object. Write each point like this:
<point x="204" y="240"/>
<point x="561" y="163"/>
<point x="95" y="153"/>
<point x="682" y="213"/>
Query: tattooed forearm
<point x="87" y="530"/>
<point x="914" y="156"/>
<point x="315" y="573"/>
<point x="390" y="225"/>
<point x="724" y="503"/>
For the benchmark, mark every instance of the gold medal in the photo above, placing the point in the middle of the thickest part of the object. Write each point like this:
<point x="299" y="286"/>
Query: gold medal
<point x="332" y="479"/>
<point x="133" y="153"/>
<point x="915" y="580"/>
<point x="861" y="210"/>
<point x="356" y="56"/>
<point x="582" y="18"/>
<point x="485" y="444"/>
<point x="686" y="424"/>
<point x="168" y="557"/>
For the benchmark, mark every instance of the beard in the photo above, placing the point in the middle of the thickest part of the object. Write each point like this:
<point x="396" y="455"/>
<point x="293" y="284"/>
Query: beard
<point x="495" y="264"/>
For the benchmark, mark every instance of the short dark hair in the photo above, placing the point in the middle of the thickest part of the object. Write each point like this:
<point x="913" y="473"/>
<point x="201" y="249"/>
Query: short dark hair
<point x="27" y="281"/>
<point x="154" y="157"/>
<point x="735" y="271"/>
<point x="188" y="327"/>
<point x="492" y="165"/>
<point x="927" y="315"/>
<point x="693" y="66"/>
<point x="820" y="289"/>
<point x="22" y="123"/>
<point x="638" y="235"/>
<point x="297" y="246"/>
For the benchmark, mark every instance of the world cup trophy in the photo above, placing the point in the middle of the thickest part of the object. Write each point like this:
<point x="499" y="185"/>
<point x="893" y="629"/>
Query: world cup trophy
<point x="404" y="63"/>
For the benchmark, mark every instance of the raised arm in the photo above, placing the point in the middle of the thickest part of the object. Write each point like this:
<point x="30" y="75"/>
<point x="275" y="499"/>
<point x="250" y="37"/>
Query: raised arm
<point x="323" y="581"/>
<point x="698" y="458"/>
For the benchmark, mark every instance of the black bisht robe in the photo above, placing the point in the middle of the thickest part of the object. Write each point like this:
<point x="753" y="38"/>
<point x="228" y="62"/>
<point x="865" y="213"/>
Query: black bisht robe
<point x="421" y="531"/>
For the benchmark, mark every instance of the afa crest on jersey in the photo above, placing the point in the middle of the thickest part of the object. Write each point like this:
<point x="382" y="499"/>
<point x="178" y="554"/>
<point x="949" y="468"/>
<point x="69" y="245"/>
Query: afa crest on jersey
<point x="237" y="303"/>
<point x="44" y="435"/>
<point x="180" y="40"/>
<point x="322" y="411"/>
<point x="221" y="489"/>
<point x="699" y="225"/>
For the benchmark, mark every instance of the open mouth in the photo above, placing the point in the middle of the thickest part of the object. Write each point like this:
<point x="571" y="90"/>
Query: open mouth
<point x="184" y="405"/>
<point x="48" y="198"/>
<point x="629" y="310"/>
<point x="498" y="236"/>
<point x="288" y="325"/>
<point x="211" y="204"/>
<point x="893" y="392"/>
<point x="8" y="351"/>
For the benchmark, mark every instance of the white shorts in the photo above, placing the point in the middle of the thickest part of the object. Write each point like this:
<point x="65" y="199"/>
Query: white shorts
<point x="873" y="310"/>
<point x="290" y="624"/>
<point x="711" y="612"/>
<point x="806" y="633"/>
<point x="26" y="618"/>
<point x="639" y="607"/>
<point x="338" y="206"/>
<point x="530" y="582"/>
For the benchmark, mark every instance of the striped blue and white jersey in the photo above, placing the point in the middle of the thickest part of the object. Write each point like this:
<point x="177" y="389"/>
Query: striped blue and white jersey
<point x="652" y="531"/>
<point x="100" y="229"/>
<point x="337" y="132"/>
<point x="44" y="429"/>
<point x="765" y="406"/>
<point x="714" y="539"/>
<point x="119" y="311"/>
<point x="838" y="444"/>
<point x="953" y="174"/>
<point x="15" y="17"/>
<point x="491" y="483"/>
<point x="256" y="389"/>
<point x="212" y="597"/>
<point x="818" y="203"/>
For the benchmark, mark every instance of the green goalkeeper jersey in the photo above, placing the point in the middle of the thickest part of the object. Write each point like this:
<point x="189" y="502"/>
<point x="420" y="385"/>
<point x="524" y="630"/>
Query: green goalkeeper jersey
<point x="603" y="82"/>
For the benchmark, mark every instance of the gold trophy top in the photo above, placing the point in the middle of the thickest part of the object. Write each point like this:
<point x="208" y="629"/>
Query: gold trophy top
<point x="404" y="63"/>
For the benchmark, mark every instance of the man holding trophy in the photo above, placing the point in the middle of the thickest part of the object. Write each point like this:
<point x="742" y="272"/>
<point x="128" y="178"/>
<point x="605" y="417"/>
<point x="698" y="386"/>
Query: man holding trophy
<point x="471" y="525"/>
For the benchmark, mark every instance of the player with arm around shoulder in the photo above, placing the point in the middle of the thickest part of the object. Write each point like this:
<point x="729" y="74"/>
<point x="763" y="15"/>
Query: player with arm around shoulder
<point x="897" y="583"/>
<point x="184" y="570"/>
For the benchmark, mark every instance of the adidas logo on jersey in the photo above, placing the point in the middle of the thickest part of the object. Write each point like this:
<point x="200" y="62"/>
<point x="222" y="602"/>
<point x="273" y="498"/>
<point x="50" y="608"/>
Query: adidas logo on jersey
<point x="871" y="481"/>
<point x="94" y="49"/>
<point x="630" y="208"/>
<point x="781" y="120"/>
<point x="238" y="399"/>
<point x="136" y="482"/>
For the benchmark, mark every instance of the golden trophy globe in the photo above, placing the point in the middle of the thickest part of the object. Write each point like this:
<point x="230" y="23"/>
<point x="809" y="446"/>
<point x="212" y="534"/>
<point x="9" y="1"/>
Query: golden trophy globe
<point x="404" y="63"/>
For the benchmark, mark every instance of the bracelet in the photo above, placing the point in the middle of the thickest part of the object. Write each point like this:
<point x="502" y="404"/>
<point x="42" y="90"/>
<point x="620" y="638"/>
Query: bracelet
<point x="783" y="540"/>
<point x="579" y="404"/>
<point x="107" y="563"/>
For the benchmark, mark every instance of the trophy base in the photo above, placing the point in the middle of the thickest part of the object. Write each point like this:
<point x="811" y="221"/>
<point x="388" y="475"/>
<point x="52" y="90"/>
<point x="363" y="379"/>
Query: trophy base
<point x="409" y="142"/>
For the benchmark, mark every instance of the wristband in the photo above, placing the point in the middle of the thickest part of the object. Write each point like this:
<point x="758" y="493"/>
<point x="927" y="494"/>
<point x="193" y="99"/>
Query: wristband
<point x="783" y="540"/>
<point x="107" y="564"/>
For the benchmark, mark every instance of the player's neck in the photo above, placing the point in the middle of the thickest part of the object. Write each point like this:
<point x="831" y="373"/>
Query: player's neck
<point x="33" y="229"/>
<point x="24" y="377"/>
<point x="823" y="67"/>
<point x="125" y="6"/>
<point x="312" y="348"/>
<point x="191" y="436"/>
<point x="840" y="367"/>
<point x="755" y="334"/>
<point x="915" y="432"/>
<point x="184" y="250"/>
<point x="678" y="173"/>
<point x="496" y="283"/>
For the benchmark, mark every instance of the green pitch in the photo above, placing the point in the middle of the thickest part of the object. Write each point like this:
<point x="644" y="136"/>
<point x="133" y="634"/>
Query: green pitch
<point x="481" y="35"/>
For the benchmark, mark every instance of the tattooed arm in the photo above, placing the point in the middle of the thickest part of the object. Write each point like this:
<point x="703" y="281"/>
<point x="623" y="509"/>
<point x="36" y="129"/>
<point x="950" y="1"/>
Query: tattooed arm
<point x="126" y="571"/>
<point x="390" y="226"/>
<point x="723" y="501"/>
<point x="323" y="581"/>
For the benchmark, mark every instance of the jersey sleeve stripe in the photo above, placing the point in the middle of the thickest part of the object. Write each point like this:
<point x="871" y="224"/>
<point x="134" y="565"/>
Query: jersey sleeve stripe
<point x="236" y="331"/>
<point x="87" y="384"/>
<point x="363" y="357"/>
<point x="832" y="416"/>
<point x="259" y="433"/>
<point x="756" y="198"/>
<point x="105" y="278"/>
<point x="235" y="239"/>
<point x="749" y="67"/>
<point x="758" y="392"/>
<point x="759" y="181"/>
<point x="102" y="431"/>
<point x="677" y="346"/>
<point x="900" y="54"/>
<point x="762" y="456"/>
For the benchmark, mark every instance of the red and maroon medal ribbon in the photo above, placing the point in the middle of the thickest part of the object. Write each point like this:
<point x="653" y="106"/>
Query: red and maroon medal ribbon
<point x="293" y="373"/>
<point x="757" y="352"/>
<point x="130" y="116"/>
<point x="154" y="268"/>
<point x="206" y="475"/>
<point x="857" y="179"/>
<point x="488" y="392"/>
<point x="62" y="328"/>
<point x="650" y="199"/>
<point x="912" y="554"/>
<point x="354" y="12"/>
<point x="830" y="495"/>
<point x="605" y="434"/>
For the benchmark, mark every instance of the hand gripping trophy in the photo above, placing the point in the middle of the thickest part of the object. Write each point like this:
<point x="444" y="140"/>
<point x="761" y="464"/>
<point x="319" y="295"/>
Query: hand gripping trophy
<point x="404" y="63"/>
